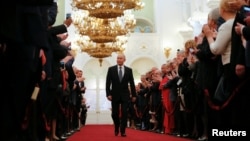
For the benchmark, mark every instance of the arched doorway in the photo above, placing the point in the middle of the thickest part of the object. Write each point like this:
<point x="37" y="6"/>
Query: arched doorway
<point x="99" y="111"/>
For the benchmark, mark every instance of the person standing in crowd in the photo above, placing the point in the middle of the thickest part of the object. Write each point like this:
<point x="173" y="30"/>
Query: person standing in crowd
<point x="155" y="106"/>
<point x="78" y="92"/>
<point x="84" y="110"/>
<point x="143" y="101"/>
<point x="118" y="80"/>
<point x="243" y="29"/>
<point x="167" y="88"/>
<point x="55" y="54"/>
<point x="132" y="112"/>
<point x="207" y="76"/>
<point x="186" y="71"/>
<point x="223" y="45"/>
<point x="22" y="35"/>
<point x="240" y="43"/>
<point x="237" y="57"/>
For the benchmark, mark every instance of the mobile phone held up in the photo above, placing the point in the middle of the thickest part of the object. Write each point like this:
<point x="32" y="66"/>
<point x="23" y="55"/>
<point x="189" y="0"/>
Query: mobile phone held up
<point x="62" y="65"/>
<point x="244" y="12"/>
<point x="68" y="15"/>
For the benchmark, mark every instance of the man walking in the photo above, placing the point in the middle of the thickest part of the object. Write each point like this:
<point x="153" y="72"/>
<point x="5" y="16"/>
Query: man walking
<point x="119" y="86"/>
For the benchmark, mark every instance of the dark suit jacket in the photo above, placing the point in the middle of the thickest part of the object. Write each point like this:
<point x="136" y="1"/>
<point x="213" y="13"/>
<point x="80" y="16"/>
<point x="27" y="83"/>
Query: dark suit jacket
<point x="23" y="19"/>
<point x="55" y="52"/>
<point x="246" y="34"/>
<point x="120" y="90"/>
<point x="237" y="50"/>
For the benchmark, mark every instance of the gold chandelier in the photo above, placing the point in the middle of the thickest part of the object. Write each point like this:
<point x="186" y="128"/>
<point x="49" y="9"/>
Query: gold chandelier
<point x="101" y="50"/>
<point x="103" y="30"/>
<point x="107" y="8"/>
<point x="102" y="25"/>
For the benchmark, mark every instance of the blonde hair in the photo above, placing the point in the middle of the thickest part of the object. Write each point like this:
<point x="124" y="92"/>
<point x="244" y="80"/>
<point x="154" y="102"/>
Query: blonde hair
<point x="225" y="5"/>
<point x="189" y="44"/>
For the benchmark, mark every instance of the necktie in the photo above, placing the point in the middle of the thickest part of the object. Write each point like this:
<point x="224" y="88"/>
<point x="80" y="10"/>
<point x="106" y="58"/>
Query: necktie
<point x="120" y="73"/>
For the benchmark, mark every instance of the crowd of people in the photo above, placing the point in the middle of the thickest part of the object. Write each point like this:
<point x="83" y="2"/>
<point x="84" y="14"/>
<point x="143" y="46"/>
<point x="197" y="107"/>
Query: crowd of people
<point x="43" y="95"/>
<point x="205" y="86"/>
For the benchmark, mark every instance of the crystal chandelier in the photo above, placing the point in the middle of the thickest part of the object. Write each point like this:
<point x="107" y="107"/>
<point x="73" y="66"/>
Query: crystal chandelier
<point x="102" y="25"/>
<point x="107" y="8"/>
<point x="103" y="30"/>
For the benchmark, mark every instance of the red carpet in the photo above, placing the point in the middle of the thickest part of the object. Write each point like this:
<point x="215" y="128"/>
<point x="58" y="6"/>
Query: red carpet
<point x="106" y="133"/>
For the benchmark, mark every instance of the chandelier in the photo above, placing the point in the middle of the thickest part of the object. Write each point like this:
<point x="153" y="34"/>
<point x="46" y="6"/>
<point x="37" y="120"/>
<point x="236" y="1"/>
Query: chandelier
<point x="103" y="30"/>
<point x="102" y="25"/>
<point x="101" y="50"/>
<point x="107" y="8"/>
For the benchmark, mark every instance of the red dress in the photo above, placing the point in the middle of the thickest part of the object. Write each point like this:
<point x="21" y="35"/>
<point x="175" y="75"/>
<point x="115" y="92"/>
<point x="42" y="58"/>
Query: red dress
<point x="168" y="120"/>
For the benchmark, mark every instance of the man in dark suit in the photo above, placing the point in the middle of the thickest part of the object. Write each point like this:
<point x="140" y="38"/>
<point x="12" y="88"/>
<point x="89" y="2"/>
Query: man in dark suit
<point x="119" y="86"/>
<point x="237" y="58"/>
<point x="244" y="30"/>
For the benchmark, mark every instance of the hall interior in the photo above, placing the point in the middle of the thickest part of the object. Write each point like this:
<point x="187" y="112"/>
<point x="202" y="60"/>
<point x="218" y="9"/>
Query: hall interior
<point x="162" y="27"/>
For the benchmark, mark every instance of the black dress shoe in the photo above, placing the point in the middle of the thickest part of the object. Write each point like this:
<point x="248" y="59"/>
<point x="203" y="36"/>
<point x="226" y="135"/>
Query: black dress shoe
<point x="116" y="130"/>
<point x="123" y="135"/>
<point x="116" y="133"/>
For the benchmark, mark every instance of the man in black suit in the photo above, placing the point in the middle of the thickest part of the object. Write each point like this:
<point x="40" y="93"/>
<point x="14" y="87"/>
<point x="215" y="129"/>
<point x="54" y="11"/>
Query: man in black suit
<point x="119" y="86"/>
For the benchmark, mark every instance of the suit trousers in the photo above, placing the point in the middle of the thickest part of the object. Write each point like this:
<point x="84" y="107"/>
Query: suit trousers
<point x="120" y="114"/>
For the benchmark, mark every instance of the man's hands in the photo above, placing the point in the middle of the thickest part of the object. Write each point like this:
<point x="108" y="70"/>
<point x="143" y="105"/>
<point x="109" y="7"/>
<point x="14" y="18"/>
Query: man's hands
<point x="133" y="99"/>
<point x="208" y="32"/>
<point x="238" y="28"/>
<point x="109" y="98"/>
<point x="68" y="22"/>
<point x="240" y="70"/>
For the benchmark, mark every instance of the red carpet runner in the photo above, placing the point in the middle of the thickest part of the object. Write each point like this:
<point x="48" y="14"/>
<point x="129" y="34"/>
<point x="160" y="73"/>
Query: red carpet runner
<point x="106" y="133"/>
